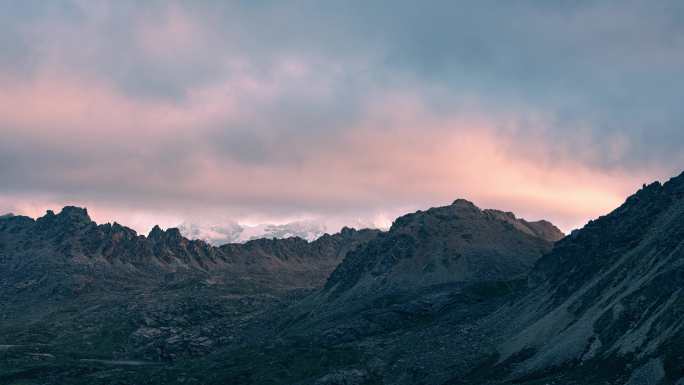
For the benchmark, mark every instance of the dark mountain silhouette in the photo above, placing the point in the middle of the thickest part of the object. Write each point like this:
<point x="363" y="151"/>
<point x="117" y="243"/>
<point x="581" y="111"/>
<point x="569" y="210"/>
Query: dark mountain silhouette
<point x="451" y="295"/>
<point x="73" y="290"/>
<point x="406" y="297"/>
<point x="456" y="243"/>
<point x="606" y="306"/>
<point x="70" y="241"/>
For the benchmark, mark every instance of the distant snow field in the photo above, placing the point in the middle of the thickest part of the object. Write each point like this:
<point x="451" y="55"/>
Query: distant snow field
<point x="233" y="232"/>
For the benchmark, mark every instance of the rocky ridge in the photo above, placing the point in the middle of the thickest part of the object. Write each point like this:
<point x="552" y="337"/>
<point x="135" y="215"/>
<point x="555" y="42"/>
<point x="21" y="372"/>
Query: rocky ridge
<point x="72" y="240"/>
<point x="608" y="298"/>
<point x="451" y="295"/>
<point x="80" y="297"/>
<point x="450" y="244"/>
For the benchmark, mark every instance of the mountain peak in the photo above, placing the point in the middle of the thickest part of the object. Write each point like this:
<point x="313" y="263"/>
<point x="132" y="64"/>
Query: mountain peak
<point x="68" y="215"/>
<point x="443" y="245"/>
<point x="155" y="233"/>
<point x="172" y="235"/>
<point x="347" y="230"/>
<point x="459" y="208"/>
<point x="74" y="212"/>
<point x="463" y="203"/>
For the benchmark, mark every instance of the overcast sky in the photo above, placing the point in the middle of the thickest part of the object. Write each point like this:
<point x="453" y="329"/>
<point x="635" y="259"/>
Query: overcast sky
<point x="340" y="111"/>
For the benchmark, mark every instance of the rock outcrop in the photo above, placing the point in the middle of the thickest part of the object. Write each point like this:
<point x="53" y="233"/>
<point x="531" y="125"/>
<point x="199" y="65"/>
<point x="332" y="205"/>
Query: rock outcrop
<point x="459" y="243"/>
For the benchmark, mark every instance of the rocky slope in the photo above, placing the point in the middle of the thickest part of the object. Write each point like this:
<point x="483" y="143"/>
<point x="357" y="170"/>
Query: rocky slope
<point x="606" y="305"/>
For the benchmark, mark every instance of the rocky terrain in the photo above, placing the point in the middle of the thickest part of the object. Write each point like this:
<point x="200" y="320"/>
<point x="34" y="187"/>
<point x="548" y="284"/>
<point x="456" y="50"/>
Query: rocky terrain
<point x="606" y="306"/>
<point x="76" y="296"/>
<point x="453" y="244"/>
<point x="450" y="295"/>
<point x="71" y="242"/>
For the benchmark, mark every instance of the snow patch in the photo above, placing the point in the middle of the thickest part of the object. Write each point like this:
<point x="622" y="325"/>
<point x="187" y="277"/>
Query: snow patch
<point x="233" y="232"/>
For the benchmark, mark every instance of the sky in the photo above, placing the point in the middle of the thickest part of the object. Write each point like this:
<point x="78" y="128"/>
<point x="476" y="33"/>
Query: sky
<point x="344" y="112"/>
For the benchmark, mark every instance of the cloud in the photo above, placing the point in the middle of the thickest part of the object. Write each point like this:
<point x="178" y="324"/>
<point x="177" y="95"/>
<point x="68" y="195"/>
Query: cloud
<point x="165" y="111"/>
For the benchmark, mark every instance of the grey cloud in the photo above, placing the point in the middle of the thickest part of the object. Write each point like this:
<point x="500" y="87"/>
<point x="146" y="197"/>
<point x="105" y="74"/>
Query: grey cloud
<point x="605" y="77"/>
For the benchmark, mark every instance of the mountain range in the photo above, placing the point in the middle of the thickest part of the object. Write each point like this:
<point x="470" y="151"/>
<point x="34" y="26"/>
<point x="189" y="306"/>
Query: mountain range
<point x="449" y="295"/>
<point x="233" y="232"/>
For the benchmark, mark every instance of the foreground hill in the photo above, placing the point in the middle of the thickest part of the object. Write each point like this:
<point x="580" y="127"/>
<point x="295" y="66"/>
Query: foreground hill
<point x="606" y="306"/>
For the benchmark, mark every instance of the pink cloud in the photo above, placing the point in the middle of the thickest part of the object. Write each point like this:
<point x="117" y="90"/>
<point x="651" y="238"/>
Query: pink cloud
<point x="400" y="156"/>
<point x="79" y="105"/>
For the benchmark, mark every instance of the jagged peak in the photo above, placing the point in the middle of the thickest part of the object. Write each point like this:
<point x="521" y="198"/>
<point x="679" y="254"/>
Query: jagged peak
<point x="347" y="230"/>
<point x="171" y="234"/>
<point x="674" y="185"/>
<point x="68" y="214"/>
<point x="155" y="233"/>
<point x="74" y="212"/>
<point x="115" y="227"/>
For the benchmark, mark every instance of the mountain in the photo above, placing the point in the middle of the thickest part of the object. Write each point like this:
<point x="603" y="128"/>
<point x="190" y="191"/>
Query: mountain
<point x="603" y="306"/>
<point x="451" y="244"/>
<point x="77" y="297"/>
<point x="309" y="230"/>
<point x="72" y="240"/>
<point x="213" y="234"/>
<point x="408" y="305"/>
<point x="233" y="232"/>
<point x="606" y="305"/>
<point x="450" y="295"/>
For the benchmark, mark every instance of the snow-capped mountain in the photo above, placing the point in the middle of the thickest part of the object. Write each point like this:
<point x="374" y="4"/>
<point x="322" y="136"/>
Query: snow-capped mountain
<point x="233" y="232"/>
<point x="213" y="234"/>
<point x="309" y="230"/>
